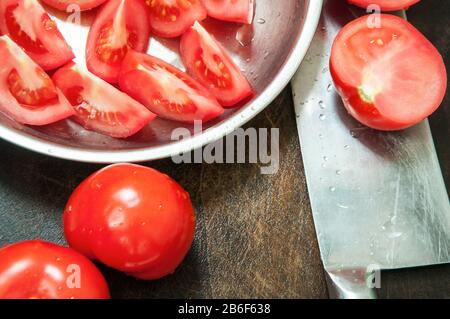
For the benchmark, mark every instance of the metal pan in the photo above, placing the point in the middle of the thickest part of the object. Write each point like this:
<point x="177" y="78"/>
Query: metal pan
<point x="269" y="53"/>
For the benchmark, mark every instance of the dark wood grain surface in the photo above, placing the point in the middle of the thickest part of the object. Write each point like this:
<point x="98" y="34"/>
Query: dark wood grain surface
<point x="255" y="233"/>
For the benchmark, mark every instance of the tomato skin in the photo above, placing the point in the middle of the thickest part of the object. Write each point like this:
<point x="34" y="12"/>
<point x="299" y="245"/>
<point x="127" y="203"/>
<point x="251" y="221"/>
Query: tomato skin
<point x="63" y="5"/>
<point x="133" y="14"/>
<point x="100" y="106"/>
<point x="138" y="81"/>
<point x="131" y="218"/>
<point x="385" y="5"/>
<point x="200" y="53"/>
<point x="161" y="16"/>
<point x="390" y="77"/>
<point x="240" y="11"/>
<point x="38" y="269"/>
<point x="14" y="59"/>
<point x="48" y="49"/>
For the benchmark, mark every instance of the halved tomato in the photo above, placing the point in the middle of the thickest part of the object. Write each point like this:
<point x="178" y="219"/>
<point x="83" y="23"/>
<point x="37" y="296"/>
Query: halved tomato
<point x="83" y="5"/>
<point x="240" y="11"/>
<point x="170" y="18"/>
<point x="385" y="5"/>
<point x="390" y="77"/>
<point x="100" y="106"/>
<point x="208" y="62"/>
<point x="165" y="90"/>
<point x="120" y="25"/>
<point x="27" y="24"/>
<point x="27" y="94"/>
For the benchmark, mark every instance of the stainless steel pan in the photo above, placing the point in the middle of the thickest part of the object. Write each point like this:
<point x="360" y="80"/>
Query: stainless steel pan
<point x="269" y="53"/>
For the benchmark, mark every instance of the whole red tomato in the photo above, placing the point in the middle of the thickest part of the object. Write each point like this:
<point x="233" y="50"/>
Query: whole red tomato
<point x="42" y="270"/>
<point x="131" y="218"/>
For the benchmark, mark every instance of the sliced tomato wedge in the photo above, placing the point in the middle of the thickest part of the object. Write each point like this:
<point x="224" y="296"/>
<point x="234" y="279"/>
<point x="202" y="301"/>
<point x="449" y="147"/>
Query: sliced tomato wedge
<point x="390" y="77"/>
<point x="165" y="90"/>
<point x="208" y="62"/>
<point x="27" y="93"/>
<point x="100" y="106"/>
<point x="170" y="18"/>
<point x="385" y="5"/>
<point x="120" y="25"/>
<point x="241" y="11"/>
<point x="28" y="24"/>
<point x="65" y="5"/>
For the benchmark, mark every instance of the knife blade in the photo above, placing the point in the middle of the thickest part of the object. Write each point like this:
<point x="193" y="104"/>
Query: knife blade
<point x="378" y="198"/>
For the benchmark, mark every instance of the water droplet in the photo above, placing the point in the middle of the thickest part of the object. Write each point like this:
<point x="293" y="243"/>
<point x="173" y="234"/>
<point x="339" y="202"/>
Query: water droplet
<point x="322" y="117"/>
<point x="325" y="158"/>
<point x="321" y="136"/>
<point x="332" y="188"/>
<point x="58" y="259"/>
<point x="338" y="172"/>
<point x="261" y="21"/>
<point x="346" y="147"/>
<point x="329" y="87"/>
<point x="322" y="105"/>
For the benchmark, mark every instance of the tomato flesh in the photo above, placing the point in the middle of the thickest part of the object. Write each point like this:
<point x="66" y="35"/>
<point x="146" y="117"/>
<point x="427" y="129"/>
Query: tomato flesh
<point x="171" y="18"/>
<point x="42" y="270"/>
<point x="208" y="62"/>
<point x="68" y="5"/>
<point x="385" y="5"/>
<point x="100" y="106"/>
<point x="46" y="94"/>
<point x="166" y="91"/>
<point x="389" y="77"/>
<point x="240" y="11"/>
<point x="27" y="94"/>
<point x="27" y="24"/>
<point x="131" y="218"/>
<point x="120" y="26"/>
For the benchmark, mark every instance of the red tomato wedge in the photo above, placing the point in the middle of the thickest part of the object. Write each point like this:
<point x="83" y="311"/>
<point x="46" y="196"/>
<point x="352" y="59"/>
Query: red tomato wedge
<point x="208" y="62"/>
<point x="390" y="77"/>
<point x="28" y="24"/>
<point x="100" y="106"/>
<point x="132" y="218"/>
<point x="170" y="18"/>
<point x="240" y="11"/>
<point x="27" y="93"/>
<point x="69" y="5"/>
<point x="120" y="25"/>
<point x="165" y="90"/>
<point x="37" y="269"/>
<point x="385" y="5"/>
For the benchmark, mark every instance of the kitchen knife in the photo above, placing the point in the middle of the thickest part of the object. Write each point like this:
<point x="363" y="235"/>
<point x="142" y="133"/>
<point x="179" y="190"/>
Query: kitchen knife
<point x="378" y="198"/>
